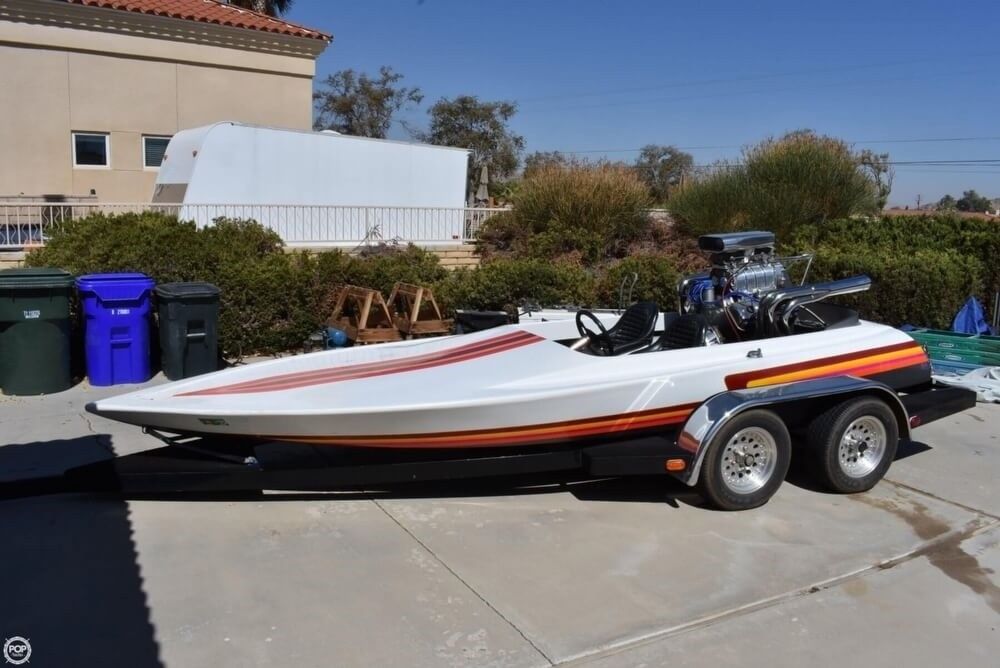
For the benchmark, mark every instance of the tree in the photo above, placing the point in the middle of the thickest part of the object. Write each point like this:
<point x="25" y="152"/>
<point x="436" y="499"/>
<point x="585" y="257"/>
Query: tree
<point x="540" y="160"/>
<point x="946" y="203"/>
<point x="973" y="201"/>
<point x="877" y="166"/>
<point x="356" y="104"/>
<point x="481" y="127"/>
<point x="662" y="169"/>
<point x="269" y="7"/>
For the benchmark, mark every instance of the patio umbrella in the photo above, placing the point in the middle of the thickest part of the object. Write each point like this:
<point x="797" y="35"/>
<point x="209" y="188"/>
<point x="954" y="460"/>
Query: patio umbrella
<point x="483" y="192"/>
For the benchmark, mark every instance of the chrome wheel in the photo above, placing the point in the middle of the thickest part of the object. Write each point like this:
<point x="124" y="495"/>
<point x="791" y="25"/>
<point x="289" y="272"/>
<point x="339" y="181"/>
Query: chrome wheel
<point x="748" y="460"/>
<point x="862" y="446"/>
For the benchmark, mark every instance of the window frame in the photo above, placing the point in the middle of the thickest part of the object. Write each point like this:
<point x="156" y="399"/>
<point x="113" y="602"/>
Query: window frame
<point x="142" y="151"/>
<point x="107" y="148"/>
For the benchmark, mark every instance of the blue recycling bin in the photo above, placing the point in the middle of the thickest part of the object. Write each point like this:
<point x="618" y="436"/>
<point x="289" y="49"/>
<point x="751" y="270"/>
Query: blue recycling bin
<point x="116" y="311"/>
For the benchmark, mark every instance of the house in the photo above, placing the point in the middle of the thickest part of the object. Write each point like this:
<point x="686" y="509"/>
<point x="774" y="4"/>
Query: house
<point x="92" y="90"/>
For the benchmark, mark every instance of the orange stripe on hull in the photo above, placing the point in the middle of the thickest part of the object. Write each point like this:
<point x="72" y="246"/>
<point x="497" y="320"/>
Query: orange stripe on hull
<point x="865" y="363"/>
<point x="863" y="367"/>
<point x="511" y="436"/>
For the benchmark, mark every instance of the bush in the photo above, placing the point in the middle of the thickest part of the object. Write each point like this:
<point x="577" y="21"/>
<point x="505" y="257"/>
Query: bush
<point x="780" y="184"/>
<point x="270" y="301"/>
<point x="410" y="265"/>
<point x="590" y="211"/>
<point x="506" y="283"/>
<point x="267" y="305"/>
<point x="923" y="286"/>
<point x="657" y="281"/>
<point x="159" y="245"/>
<point x="970" y="237"/>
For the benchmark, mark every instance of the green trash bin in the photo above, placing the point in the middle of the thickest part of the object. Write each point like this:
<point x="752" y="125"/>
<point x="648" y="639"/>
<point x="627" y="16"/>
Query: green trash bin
<point x="189" y="317"/>
<point x="35" y="331"/>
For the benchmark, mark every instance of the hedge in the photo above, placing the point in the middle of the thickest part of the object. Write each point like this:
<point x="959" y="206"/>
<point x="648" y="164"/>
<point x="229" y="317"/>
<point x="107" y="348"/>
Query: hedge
<point x="923" y="269"/>
<point x="922" y="287"/>
<point x="504" y="284"/>
<point x="271" y="300"/>
<point x="657" y="281"/>
<point x="940" y="260"/>
<point x="903" y="235"/>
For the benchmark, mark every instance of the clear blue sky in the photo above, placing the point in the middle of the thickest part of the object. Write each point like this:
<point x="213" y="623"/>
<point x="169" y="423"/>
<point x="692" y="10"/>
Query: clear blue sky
<point x="604" y="77"/>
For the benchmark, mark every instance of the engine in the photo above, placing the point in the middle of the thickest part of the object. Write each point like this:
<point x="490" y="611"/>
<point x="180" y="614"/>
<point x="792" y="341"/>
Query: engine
<point x="744" y="268"/>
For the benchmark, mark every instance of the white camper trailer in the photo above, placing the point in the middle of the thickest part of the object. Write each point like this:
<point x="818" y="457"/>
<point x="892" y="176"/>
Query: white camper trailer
<point x="317" y="188"/>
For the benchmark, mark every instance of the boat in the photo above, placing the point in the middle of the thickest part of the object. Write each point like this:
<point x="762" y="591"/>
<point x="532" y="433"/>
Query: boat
<point x="746" y="355"/>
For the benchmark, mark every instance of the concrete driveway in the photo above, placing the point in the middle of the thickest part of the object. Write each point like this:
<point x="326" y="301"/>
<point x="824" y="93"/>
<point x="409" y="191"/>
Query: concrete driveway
<point x="557" y="571"/>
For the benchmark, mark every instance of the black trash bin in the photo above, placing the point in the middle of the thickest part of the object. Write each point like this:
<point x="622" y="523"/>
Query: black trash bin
<point x="189" y="340"/>
<point x="35" y="331"/>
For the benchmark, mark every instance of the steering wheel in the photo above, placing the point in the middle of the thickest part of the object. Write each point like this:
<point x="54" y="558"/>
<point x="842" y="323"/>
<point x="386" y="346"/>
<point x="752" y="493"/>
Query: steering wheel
<point x="602" y="341"/>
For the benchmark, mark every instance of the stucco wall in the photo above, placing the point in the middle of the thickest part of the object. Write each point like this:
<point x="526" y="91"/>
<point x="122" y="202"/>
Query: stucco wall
<point x="54" y="81"/>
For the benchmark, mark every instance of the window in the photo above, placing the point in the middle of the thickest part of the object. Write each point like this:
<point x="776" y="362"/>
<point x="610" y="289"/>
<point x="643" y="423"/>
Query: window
<point x="91" y="149"/>
<point x="154" y="149"/>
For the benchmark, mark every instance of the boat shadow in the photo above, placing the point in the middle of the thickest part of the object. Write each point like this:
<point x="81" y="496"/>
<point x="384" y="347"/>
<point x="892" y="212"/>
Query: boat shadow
<point x="71" y="578"/>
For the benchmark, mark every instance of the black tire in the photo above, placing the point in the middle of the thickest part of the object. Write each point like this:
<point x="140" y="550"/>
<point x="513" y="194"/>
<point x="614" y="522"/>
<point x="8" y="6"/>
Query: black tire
<point x="712" y="482"/>
<point x="843" y="472"/>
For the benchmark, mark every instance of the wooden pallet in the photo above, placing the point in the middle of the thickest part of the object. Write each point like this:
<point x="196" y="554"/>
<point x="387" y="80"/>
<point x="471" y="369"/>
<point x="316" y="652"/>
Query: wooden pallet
<point x="417" y="312"/>
<point x="364" y="315"/>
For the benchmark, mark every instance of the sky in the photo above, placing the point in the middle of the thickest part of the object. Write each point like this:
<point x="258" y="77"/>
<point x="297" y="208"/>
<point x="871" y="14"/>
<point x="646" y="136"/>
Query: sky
<point x="603" y="78"/>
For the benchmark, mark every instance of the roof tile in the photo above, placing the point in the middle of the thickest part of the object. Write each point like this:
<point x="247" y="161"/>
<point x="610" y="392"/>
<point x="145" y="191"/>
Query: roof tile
<point x="208" y="11"/>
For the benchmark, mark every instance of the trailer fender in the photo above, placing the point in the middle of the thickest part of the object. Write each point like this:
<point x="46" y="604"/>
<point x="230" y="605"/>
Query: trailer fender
<point x="706" y="420"/>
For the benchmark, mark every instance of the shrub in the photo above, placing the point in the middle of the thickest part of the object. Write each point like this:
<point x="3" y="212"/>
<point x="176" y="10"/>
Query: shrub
<point x="270" y="300"/>
<point x="379" y="270"/>
<point x="900" y="237"/>
<point x="267" y="305"/>
<point x="410" y="265"/>
<point x="153" y="243"/>
<point x="922" y="286"/>
<point x="657" y="281"/>
<point x="588" y="210"/>
<point x="503" y="284"/>
<point x="800" y="178"/>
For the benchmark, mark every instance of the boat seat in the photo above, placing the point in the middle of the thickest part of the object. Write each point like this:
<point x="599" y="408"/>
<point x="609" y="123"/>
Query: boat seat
<point x="634" y="330"/>
<point x="686" y="331"/>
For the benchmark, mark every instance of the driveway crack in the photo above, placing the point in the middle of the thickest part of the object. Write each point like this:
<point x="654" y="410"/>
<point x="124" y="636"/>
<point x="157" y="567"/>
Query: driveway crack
<point x="974" y="527"/>
<point x="468" y="586"/>
<point x="99" y="438"/>
<point x="917" y="490"/>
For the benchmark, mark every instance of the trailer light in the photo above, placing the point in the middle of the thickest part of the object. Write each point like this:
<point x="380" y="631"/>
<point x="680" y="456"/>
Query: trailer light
<point x="676" y="465"/>
<point x="915" y="421"/>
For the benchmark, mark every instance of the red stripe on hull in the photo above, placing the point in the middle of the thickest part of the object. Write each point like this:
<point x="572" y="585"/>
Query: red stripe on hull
<point x="372" y="369"/>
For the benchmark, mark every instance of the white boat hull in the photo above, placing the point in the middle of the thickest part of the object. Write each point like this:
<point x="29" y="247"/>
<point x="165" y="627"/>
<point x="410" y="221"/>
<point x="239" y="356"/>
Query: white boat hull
<point x="509" y="386"/>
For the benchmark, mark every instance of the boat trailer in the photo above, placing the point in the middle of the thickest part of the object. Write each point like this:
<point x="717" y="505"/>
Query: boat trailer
<point x="188" y="464"/>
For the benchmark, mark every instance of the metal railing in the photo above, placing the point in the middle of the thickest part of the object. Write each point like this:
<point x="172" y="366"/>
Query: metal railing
<point x="26" y="225"/>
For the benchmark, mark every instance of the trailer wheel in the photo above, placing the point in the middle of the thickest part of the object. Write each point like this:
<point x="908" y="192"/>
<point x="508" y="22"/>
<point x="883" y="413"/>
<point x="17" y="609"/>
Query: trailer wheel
<point x="853" y="444"/>
<point x="746" y="461"/>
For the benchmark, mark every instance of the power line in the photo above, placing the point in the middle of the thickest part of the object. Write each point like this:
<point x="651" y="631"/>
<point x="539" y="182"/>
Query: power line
<point x="759" y="91"/>
<point x="729" y="146"/>
<point x="726" y="80"/>
<point x="929" y="139"/>
<point x="964" y="163"/>
<point x="947" y="171"/>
